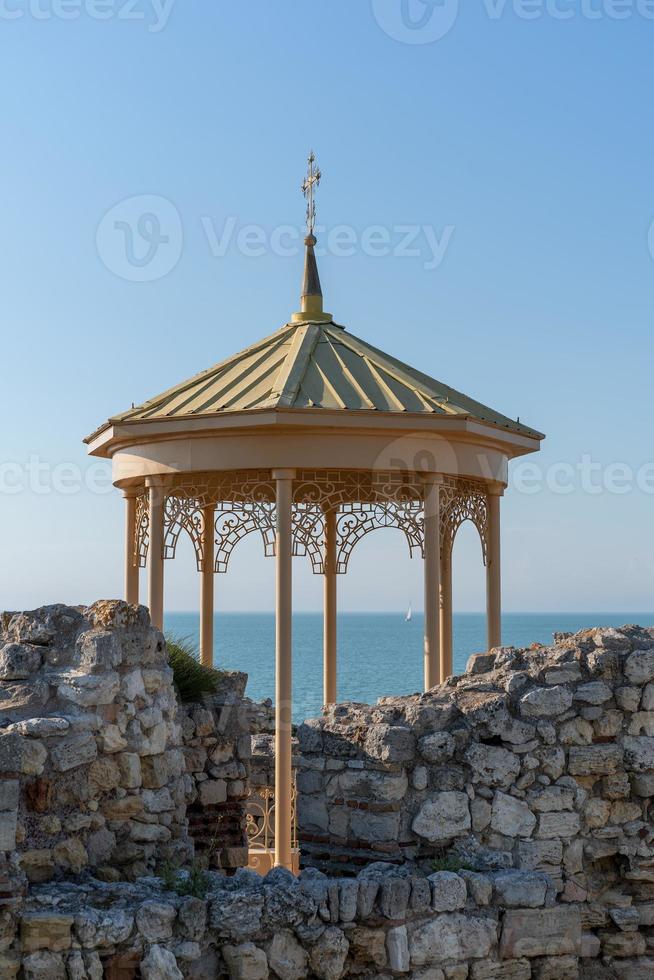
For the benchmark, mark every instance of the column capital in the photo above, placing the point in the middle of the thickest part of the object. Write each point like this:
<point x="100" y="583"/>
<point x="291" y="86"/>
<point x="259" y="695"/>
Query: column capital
<point x="432" y="479"/>
<point x="130" y="492"/>
<point x="495" y="488"/>
<point x="155" y="481"/>
<point x="283" y="474"/>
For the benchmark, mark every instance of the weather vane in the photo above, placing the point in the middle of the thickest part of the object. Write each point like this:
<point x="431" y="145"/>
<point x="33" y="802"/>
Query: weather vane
<point x="310" y="181"/>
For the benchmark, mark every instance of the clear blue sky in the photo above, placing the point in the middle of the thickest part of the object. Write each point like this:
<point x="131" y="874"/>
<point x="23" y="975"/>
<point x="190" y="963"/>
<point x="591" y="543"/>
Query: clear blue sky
<point x="528" y="143"/>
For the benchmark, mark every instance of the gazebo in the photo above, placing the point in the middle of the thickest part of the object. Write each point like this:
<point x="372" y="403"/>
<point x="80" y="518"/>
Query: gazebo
<point x="313" y="438"/>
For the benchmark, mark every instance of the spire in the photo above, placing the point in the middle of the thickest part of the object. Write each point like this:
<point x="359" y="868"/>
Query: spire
<point x="311" y="299"/>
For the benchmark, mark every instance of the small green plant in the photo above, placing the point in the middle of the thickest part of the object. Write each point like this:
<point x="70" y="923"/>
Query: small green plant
<point x="450" y="862"/>
<point x="195" y="882"/>
<point x="190" y="677"/>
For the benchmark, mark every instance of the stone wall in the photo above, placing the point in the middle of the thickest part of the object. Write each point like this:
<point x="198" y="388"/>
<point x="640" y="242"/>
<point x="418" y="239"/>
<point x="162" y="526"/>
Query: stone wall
<point x="538" y="760"/>
<point x="386" y="922"/>
<point x="90" y="748"/>
<point x="217" y="751"/>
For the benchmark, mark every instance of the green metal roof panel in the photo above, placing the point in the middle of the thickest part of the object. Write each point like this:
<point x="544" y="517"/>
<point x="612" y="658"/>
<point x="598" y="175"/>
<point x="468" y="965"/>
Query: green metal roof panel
<point x="314" y="365"/>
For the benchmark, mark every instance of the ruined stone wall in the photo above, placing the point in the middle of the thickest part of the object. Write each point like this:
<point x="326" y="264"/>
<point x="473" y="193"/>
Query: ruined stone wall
<point x="90" y="748"/>
<point x="538" y="760"/>
<point x="384" y="923"/>
<point x="217" y="750"/>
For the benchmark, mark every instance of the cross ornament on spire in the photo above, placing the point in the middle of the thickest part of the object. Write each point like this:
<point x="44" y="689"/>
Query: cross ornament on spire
<point x="310" y="181"/>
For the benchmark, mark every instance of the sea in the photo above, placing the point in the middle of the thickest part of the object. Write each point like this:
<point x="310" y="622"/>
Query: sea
<point x="378" y="653"/>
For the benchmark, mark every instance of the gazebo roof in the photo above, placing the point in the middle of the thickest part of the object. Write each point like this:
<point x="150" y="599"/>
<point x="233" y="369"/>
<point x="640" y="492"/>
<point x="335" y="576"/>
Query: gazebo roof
<point x="314" y="364"/>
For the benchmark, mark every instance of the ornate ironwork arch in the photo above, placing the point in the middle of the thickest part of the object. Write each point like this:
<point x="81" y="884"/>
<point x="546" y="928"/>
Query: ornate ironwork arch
<point x="466" y="502"/>
<point x="182" y="514"/>
<point x="234" y="521"/>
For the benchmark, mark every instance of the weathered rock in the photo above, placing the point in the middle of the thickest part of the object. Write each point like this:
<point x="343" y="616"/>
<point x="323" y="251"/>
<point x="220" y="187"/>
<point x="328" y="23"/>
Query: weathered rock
<point x="596" y="760"/>
<point x="452" y="937"/>
<point x="512" y="817"/>
<point x="73" y="751"/>
<point x="286" y="956"/>
<point x="520" y="889"/>
<point x="639" y="667"/>
<point x="448" y="891"/>
<point x="541" y="932"/>
<point x="443" y="816"/>
<point x="327" y="957"/>
<point x="545" y="702"/>
<point x="160" y="964"/>
<point x="492" y="765"/>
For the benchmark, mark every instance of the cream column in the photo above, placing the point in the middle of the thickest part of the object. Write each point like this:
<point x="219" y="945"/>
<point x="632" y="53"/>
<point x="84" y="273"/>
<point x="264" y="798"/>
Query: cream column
<point x="329" y="610"/>
<point x="432" y="579"/>
<point x="283" y="668"/>
<point x="446" y="615"/>
<point x="207" y="586"/>
<point x="156" y="497"/>
<point x="493" y="569"/>
<point x="131" y="568"/>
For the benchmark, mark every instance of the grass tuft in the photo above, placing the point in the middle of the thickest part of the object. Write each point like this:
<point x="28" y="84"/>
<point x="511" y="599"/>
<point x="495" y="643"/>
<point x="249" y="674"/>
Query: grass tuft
<point x="190" y="677"/>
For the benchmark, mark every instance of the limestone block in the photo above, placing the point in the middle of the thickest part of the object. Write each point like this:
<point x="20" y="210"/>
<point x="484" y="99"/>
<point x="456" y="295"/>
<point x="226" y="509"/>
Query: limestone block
<point x="556" y="968"/>
<point x="545" y="702"/>
<point x="480" y="812"/>
<point x="492" y="765"/>
<point x="452" y="936"/>
<point x="110" y="739"/>
<point x="520" y="889"/>
<point x="512" y="970"/>
<point x="397" y="947"/>
<point x="576" y="731"/>
<point x="394" y="896"/>
<point x="129" y="764"/>
<point x="558" y="824"/>
<point x="366" y="946"/>
<point x="374" y="827"/>
<point x="642" y="723"/>
<point x="642" y="784"/>
<point x="86" y="690"/>
<point x="312" y="814"/>
<point x="9" y="966"/>
<point x="628" y="698"/>
<point x="479" y="887"/>
<point x="390" y="743"/>
<point x="160" y="964"/>
<point x="236" y="915"/>
<point x="44" y="965"/>
<point x="101" y="928"/>
<point x="639" y="666"/>
<point x="596" y="692"/>
<point x="535" y="855"/>
<point x="37" y="864"/>
<point x="24" y="755"/>
<point x="594" y="760"/>
<point x="19" y="661"/>
<point x="623" y="944"/>
<point x="541" y="932"/>
<point x="638" y="753"/>
<point x="641" y="968"/>
<point x="286" y="956"/>
<point x="550" y="798"/>
<point x="512" y="817"/>
<point x="328" y="954"/>
<point x="45" y="930"/>
<point x="73" y="751"/>
<point x="437" y="747"/>
<point x="154" y="920"/>
<point x="8" y="824"/>
<point x="448" y="891"/>
<point x="443" y="816"/>
<point x="70" y="854"/>
<point x="104" y="775"/>
<point x="370" y="785"/>
<point x="480" y="663"/>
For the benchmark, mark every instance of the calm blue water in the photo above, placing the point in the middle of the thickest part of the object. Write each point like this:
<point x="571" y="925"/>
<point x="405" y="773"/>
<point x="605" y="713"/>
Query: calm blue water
<point x="378" y="653"/>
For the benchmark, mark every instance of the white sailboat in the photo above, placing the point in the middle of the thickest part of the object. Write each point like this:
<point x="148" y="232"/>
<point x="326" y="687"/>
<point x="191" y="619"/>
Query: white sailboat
<point x="409" y="615"/>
